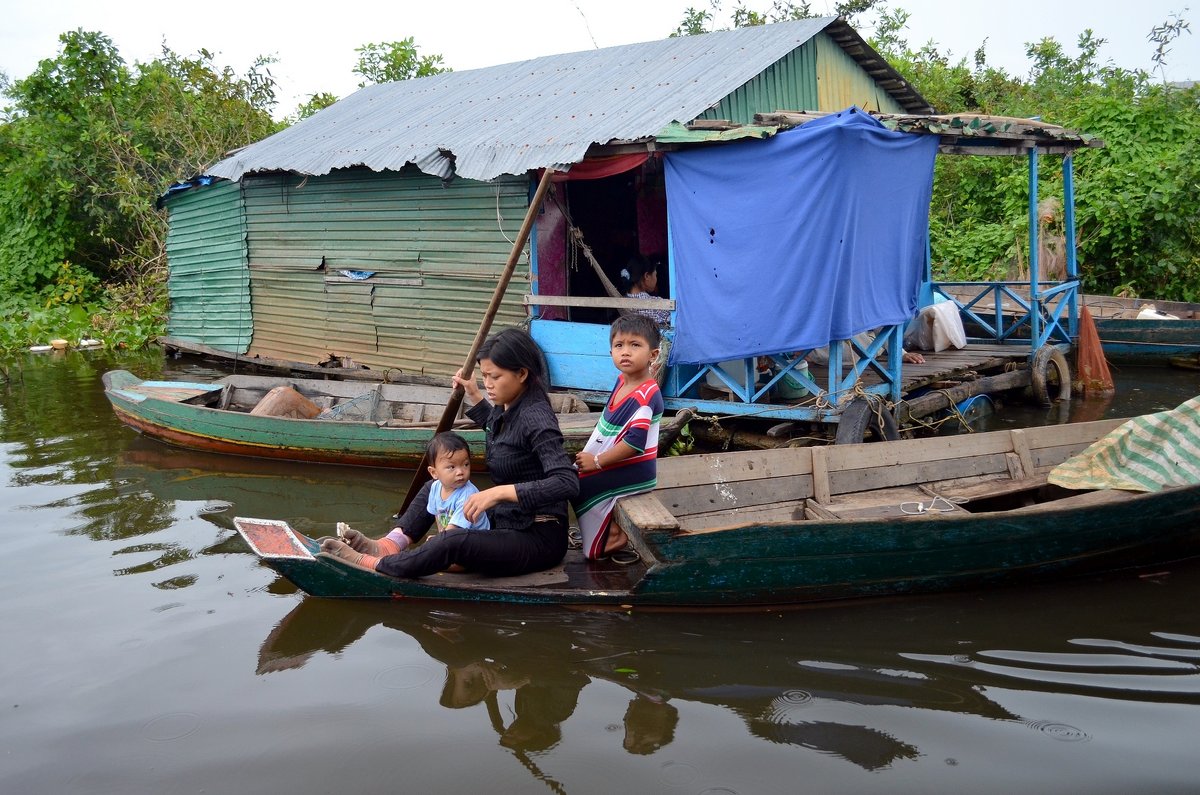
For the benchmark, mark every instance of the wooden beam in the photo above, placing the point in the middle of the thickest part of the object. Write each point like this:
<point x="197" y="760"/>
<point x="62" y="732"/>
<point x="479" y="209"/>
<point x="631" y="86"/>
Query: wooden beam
<point x="944" y="398"/>
<point x="599" y="302"/>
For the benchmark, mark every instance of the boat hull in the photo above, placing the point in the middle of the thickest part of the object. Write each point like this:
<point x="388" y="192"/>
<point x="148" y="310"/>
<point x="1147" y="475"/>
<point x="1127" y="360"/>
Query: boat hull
<point x="815" y="561"/>
<point x="353" y="443"/>
<point x="839" y="559"/>
<point x="1127" y="338"/>
<point x="813" y="524"/>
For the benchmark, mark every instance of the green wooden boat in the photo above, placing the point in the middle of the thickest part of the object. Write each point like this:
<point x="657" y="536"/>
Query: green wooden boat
<point x="364" y="423"/>
<point x="820" y="523"/>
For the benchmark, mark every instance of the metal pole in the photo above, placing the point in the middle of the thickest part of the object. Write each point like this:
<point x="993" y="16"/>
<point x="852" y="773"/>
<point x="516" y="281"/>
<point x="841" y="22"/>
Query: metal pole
<point x="1035" y="302"/>
<point x="1069" y="229"/>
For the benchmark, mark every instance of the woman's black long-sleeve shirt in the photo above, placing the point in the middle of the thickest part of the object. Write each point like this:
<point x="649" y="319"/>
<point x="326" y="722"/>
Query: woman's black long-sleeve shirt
<point x="525" y="449"/>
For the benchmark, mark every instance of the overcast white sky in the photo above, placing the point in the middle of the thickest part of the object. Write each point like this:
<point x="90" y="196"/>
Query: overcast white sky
<point x="315" y="43"/>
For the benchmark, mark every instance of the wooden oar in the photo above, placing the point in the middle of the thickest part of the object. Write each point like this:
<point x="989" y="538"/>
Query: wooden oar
<point x="456" y="396"/>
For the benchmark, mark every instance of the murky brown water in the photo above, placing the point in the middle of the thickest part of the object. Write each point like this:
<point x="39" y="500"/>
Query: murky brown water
<point x="146" y="651"/>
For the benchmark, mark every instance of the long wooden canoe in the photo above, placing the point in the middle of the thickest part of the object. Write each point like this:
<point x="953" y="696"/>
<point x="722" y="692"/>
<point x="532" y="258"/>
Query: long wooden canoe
<point x="369" y="424"/>
<point x="821" y="523"/>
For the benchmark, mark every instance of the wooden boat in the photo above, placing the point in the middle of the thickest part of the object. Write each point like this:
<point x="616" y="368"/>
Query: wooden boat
<point x="1144" y="328"/>
<point x="366" y="424"/>
<point x="821" y="523"/>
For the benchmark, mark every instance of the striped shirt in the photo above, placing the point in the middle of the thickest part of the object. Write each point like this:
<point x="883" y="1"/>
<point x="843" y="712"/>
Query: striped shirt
<point x="634" y="421"/>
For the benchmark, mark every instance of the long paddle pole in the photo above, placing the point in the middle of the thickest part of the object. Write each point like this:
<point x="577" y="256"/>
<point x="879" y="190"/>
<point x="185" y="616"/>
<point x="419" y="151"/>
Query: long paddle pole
<point x="456" y="396"/>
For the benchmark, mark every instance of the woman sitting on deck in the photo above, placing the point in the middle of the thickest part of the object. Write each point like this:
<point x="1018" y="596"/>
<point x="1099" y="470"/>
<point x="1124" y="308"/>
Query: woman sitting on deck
<point x="533" y="474"/>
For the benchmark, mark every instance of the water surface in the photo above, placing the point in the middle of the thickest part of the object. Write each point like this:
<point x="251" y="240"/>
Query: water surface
<point x="147" y="651"/>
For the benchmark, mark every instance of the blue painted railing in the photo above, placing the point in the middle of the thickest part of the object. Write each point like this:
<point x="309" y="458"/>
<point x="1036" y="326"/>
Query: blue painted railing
<point x="1049" y="312"/>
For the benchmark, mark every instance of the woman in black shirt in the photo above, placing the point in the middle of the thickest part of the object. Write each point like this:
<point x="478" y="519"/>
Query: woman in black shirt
<point x="533" y="474"/>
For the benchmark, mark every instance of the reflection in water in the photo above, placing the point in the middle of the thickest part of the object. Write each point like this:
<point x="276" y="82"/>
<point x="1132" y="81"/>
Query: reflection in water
<point x="311" y="497"/>
<point x="1162" y="672"/>
<point x="853" y="662"/>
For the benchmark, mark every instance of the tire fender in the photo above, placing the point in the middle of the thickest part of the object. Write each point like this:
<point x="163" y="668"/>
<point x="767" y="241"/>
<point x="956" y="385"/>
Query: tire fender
<point x="1050" y="373"/>
<point x="865" y="414"/>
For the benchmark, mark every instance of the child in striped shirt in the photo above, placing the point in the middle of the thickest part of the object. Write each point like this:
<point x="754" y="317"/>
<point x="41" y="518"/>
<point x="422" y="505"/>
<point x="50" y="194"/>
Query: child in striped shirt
<point x="619" y="458"/>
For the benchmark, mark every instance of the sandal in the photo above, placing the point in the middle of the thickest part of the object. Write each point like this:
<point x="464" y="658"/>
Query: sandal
<point x="625" y="556"/>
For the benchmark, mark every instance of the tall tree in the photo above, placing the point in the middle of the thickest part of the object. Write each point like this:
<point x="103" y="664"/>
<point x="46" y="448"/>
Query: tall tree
<point x="705" y="20"/>
<point x="89" y="143"/>
<point x="392" y="61"/>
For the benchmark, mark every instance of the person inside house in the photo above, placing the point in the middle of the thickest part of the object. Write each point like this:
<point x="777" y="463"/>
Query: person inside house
<point x="533" y="476"/>
<point x="640" y="279"/>
<point x="820" y="356"/>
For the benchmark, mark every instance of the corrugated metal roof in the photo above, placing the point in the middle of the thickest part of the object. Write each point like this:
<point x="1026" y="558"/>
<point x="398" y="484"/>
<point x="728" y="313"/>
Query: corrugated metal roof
<point x="509" y="119"/>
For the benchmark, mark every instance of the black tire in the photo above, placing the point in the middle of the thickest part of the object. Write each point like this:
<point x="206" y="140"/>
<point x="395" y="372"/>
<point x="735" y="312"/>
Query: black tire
<point x="864" y="415"/>
<point x="1050" y="376"/>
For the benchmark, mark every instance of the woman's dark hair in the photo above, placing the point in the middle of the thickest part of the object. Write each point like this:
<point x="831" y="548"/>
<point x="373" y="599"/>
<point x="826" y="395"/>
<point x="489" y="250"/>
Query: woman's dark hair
<point x="445" y="443"/>
<point x="513" y="349"/>
<point x="637" y="267"/>
<point x="638" y="324"/>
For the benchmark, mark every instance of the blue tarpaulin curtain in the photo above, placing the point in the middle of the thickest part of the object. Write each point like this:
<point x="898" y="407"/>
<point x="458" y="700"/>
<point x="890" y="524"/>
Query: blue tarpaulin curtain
<point x="814" y="235"/>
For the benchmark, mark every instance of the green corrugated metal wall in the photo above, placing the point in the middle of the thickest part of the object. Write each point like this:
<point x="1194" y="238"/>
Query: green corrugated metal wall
<point x="208" y="281"/>
<point x="842" y="82"/>
<point x="817" y="75"/>
<point x="436" y="251"/>
<point x="788" y="84"/>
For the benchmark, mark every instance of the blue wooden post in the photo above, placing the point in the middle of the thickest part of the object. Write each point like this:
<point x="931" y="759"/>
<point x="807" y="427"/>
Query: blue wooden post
<point x="835" y="371"/>
<point x="1035" y="303"/>
<point x="895" y="360"/>
<point x="671" y="269"/>
<point x="1069" y="229"/>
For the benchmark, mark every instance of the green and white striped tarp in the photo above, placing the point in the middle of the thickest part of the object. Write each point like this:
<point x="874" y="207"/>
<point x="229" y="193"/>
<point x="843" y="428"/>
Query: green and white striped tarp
<point x="1148" y="453"/>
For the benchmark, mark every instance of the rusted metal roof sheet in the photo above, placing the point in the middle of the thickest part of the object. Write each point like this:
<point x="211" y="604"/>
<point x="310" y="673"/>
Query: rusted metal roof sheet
<point x="967" y="133"/>
<point x="509" y="119"/>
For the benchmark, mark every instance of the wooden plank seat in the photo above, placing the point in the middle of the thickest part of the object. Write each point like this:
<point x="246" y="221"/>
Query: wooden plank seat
<point x="645" y="511"/>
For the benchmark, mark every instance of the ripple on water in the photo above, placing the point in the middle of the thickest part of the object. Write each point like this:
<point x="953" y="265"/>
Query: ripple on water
<point x="172" y="726"/>
<point x="1062" y="732"/>
<point x="1142" y="669"/>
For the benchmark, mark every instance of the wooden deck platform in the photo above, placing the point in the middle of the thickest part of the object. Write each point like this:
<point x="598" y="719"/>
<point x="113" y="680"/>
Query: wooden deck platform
<point x="955" y="375"/>
<point x="948" y="365"/>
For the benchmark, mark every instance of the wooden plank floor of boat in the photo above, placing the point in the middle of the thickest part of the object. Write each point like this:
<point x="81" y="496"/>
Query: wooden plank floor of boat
<point x="573" y="574"/>
<point x="175" y="392"/>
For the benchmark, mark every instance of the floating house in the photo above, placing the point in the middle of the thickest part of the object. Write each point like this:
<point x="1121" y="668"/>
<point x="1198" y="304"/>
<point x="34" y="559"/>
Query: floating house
<point x="376" y="230"/>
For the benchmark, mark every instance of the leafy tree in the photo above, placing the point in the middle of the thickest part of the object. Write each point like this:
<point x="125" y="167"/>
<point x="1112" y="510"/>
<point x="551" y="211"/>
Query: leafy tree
<point x="391" y="61"/>
<point x="89" y="143"/>
<point x="1137" y="210"/>
<point x="314" y="103"/>
<point x="698" y="20"/>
